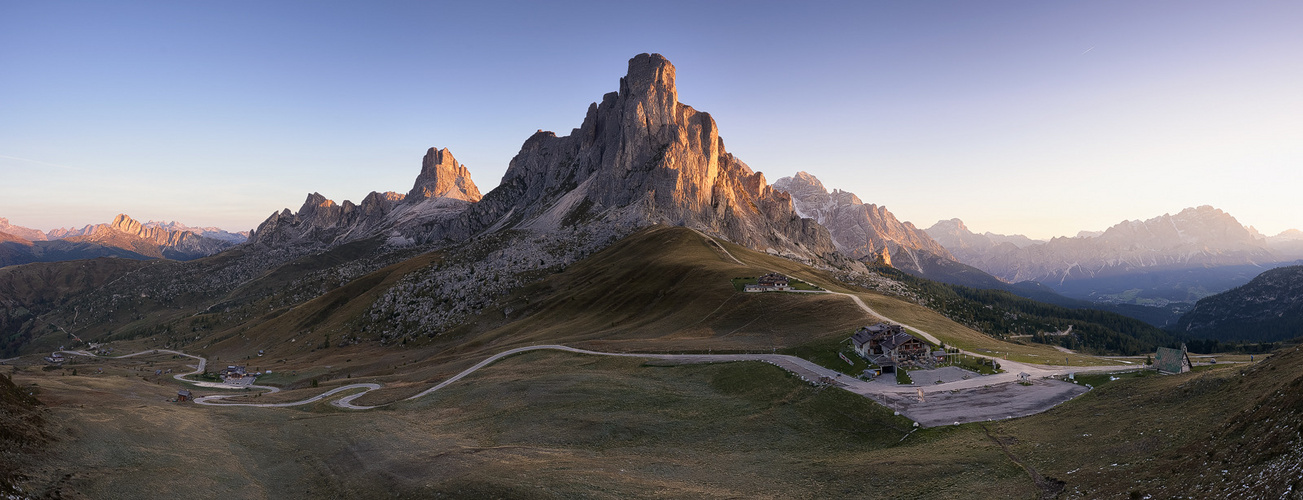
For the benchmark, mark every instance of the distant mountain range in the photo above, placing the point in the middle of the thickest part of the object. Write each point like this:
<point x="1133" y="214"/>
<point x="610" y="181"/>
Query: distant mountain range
<point x="1167" y="259"/>
<point x="124" y="237"/>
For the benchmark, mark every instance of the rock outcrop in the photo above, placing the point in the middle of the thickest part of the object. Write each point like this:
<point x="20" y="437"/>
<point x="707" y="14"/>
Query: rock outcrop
<point x="442" y="177"/>
<point x="639" y="158"/>
<point x="443" y="190"/>
<point x="862" y="231"/>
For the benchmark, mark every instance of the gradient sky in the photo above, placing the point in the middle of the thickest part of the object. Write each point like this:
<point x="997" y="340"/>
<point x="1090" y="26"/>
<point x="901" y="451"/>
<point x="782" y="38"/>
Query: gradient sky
<point x="1040" y="118"/>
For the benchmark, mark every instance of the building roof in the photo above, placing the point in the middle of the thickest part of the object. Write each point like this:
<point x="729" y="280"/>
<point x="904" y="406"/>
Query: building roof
<point x="887" y="334"/>
<point x="896" y="340"/>
<point x="1170" y="360"/>
<point x="861" y="337"/>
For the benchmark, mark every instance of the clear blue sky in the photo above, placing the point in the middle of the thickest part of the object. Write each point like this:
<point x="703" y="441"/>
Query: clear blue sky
<point x="1042" y="118"/>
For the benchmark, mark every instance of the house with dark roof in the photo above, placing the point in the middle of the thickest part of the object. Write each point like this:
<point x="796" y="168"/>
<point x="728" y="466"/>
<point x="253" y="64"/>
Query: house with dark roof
<point x="183" y="395"/>
<point x="888" y="345"/>
<point x="1171" y="361"/>
<point x="772" y="282"/>
<point x="233" y="372"/>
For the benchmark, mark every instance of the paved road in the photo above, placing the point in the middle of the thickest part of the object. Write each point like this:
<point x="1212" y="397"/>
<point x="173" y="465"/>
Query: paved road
<point x="203" y="362"/>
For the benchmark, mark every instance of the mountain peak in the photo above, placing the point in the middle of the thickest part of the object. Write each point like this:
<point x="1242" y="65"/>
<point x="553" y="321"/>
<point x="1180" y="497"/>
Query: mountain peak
<point x="641" y="157"/>
<point x="954" y="223"/>
<point x="808" y="178"/>
<point x="650" y="78"/>
<point x="442" y="177"/>
<point x="315" y="200"/>
<point x="126" y="224"/>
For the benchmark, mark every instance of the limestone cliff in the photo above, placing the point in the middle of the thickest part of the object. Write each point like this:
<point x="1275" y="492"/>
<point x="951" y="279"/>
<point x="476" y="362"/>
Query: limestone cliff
<point x="862" y="231"/>
<point x="442" y="177"/>
<point x="641" y="157"/>
<point x="442" y="190"/>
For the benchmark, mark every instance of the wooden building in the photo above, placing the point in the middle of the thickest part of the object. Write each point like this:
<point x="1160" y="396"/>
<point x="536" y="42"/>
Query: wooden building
<point x="233" y="372"/>
<point x="1172" y="361"/>
<point x="888" y="345"/>
<point x="772" y="282"/>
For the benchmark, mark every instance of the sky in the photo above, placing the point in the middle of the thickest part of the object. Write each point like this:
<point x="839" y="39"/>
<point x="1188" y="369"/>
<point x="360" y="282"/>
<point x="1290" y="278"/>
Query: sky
<point x="1036" y="118"/>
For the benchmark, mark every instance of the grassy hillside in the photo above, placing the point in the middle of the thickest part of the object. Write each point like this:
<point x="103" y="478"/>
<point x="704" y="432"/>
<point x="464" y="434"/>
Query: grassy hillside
<point x="30" y="293"/>
<point x="558" y="425"/>
<point x="1229" y="432"/>
<point x="1267" y="309"/>
<point x="541" y="425"/>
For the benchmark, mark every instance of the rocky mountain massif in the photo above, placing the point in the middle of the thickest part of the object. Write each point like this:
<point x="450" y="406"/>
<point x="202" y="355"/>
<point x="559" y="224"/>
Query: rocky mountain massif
<point x="1170" y="258"/>
<point x="124" y="237"/>
<point x="1288" y="244"/>
<point x="872" y="234"/>
<point x="442" y="191"/>
<point x="639" y="158"/>
<point x="858" y="230"/>
<point x="1267" y="309"/>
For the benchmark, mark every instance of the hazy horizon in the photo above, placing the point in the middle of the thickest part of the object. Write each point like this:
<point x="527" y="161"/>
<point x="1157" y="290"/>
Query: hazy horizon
<point x="1018" y="118"/>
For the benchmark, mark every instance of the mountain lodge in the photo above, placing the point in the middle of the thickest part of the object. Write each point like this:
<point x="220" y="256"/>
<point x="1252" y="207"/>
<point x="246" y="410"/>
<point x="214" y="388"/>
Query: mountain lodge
<point x="233" y="372"/>
<point x="888" y="346"/>
<point x="772" y="282"/>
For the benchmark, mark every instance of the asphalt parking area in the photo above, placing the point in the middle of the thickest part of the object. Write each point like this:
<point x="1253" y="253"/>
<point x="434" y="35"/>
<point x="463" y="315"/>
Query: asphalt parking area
<point x="978" y="404"/>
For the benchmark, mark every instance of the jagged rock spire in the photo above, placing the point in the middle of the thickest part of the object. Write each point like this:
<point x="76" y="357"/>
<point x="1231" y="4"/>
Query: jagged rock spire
<point x="442" y="177"/>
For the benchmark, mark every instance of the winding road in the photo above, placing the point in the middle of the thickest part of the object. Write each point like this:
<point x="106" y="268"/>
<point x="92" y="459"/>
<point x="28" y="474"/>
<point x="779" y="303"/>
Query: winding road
<point x="941" y="409"/>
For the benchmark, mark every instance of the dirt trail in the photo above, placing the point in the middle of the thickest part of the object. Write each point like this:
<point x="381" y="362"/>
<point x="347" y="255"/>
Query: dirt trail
<point x="1050" y="487"/>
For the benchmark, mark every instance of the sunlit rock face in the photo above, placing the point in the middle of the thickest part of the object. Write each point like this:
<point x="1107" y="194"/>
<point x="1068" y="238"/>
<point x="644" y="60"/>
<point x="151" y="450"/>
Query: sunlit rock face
<point x="642" y="157"/>
<point x="442" y="190"/>
<point x="442" y="177"/>
<point x="861" y="231"/>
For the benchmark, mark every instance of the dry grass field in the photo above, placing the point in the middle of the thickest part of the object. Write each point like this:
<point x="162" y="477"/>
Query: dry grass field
<point x="538" y="425"/>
